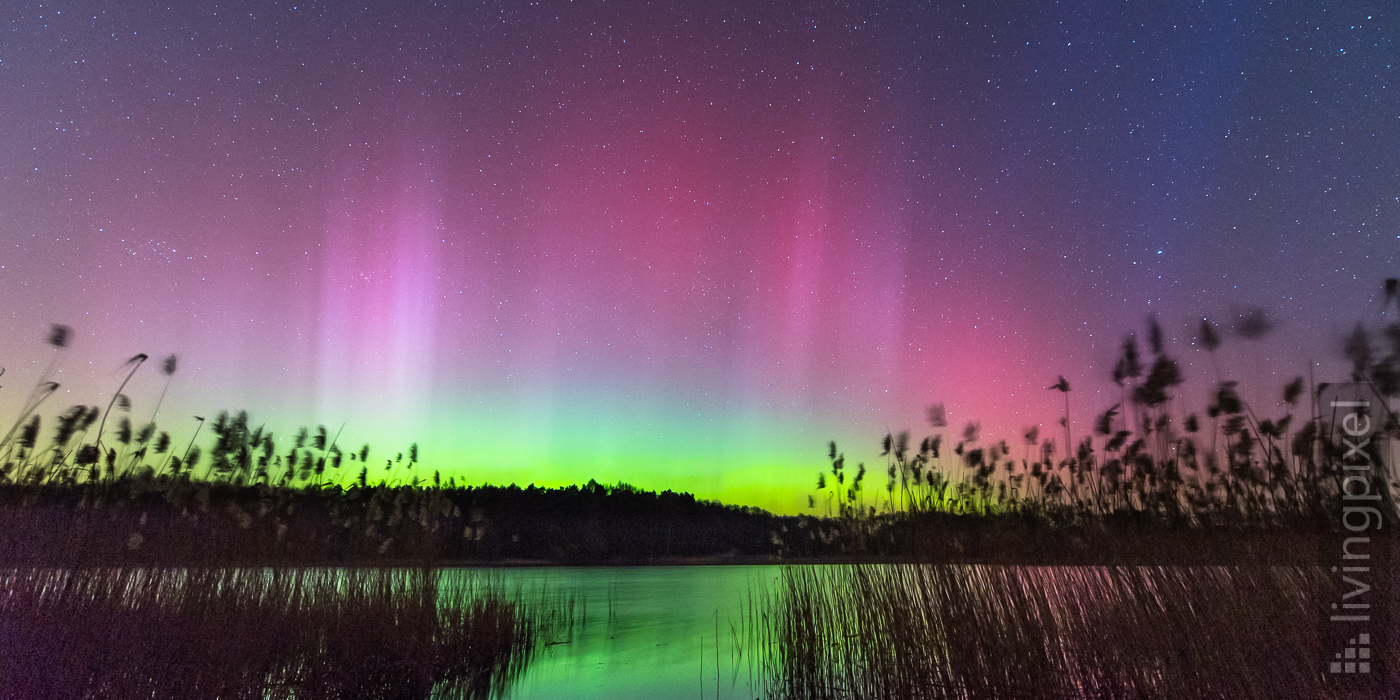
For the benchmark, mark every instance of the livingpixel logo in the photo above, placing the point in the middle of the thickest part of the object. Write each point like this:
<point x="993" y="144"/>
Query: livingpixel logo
<point x="1359" y="617"/>
<point x="1356" y="657"/>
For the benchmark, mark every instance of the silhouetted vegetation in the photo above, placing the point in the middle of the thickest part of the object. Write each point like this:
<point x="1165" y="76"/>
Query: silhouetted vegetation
<point x="125" y="547"/>
<point x="264" y="633"/>
<point x="101" y="490"/>
<point x="948" y="631"/>
<point x="133" y="521"/>
<point x="1152" y="480"/>
<point x="1152" y="476"/>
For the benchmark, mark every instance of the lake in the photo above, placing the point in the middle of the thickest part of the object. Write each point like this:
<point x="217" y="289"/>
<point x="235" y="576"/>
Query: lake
<point x="650" y="632"/>
<point x="812" y="631"/>
<point x="927" y="631"/>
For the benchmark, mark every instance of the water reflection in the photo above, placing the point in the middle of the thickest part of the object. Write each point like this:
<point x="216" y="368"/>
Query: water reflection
<point x="648" y="632"/>
<point x="929" y="632"/>
<point x="660" y="632"/>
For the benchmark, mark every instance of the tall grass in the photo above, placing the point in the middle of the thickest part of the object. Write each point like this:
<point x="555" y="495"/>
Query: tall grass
<point x="945" y="631"/>
<point x="263" y="633"/>
<point x="104" y="491"/>
<point x="238" y="454"/>
<point x="1232" y="464"/>
<point x="241" y="454"/>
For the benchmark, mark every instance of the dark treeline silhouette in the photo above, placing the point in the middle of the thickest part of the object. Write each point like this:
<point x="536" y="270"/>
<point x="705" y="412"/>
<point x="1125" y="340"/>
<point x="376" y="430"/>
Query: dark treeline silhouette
<point x="133" y="520"/>
<point x="601" y="524"/>
<point x="1153" y="481"/>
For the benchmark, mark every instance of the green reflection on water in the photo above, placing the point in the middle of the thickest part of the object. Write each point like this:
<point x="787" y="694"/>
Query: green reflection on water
<point x="646" y="632"/>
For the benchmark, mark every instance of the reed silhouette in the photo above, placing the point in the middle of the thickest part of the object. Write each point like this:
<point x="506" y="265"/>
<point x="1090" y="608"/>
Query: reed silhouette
<point x="959" y="631"/>
<point x="135" y="571"/>
<point x="1152" y="482"/>
<point x="265" y="632"/>
<point x="1148" y="465"/>
<point x="1252" y="469"/>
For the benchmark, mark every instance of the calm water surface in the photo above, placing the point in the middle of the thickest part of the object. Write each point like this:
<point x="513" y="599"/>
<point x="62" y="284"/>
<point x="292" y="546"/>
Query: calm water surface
<point x="679" y="632"/>
<point x="685" y="631"/>
<point x="673" y="632"/>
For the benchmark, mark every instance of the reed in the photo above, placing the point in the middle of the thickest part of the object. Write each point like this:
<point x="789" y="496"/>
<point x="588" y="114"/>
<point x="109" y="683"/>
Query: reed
<point x="263" y="633"/>
<point x="948" y="631"/>
<point x="1148" y="458"/>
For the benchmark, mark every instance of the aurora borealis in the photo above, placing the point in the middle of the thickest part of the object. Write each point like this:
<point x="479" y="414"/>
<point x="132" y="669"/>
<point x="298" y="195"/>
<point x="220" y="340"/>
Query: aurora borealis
<point x="680" y="244"/>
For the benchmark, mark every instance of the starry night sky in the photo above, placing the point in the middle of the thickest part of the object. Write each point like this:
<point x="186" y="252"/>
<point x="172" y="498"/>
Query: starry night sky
<point x="682" y="244"/>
